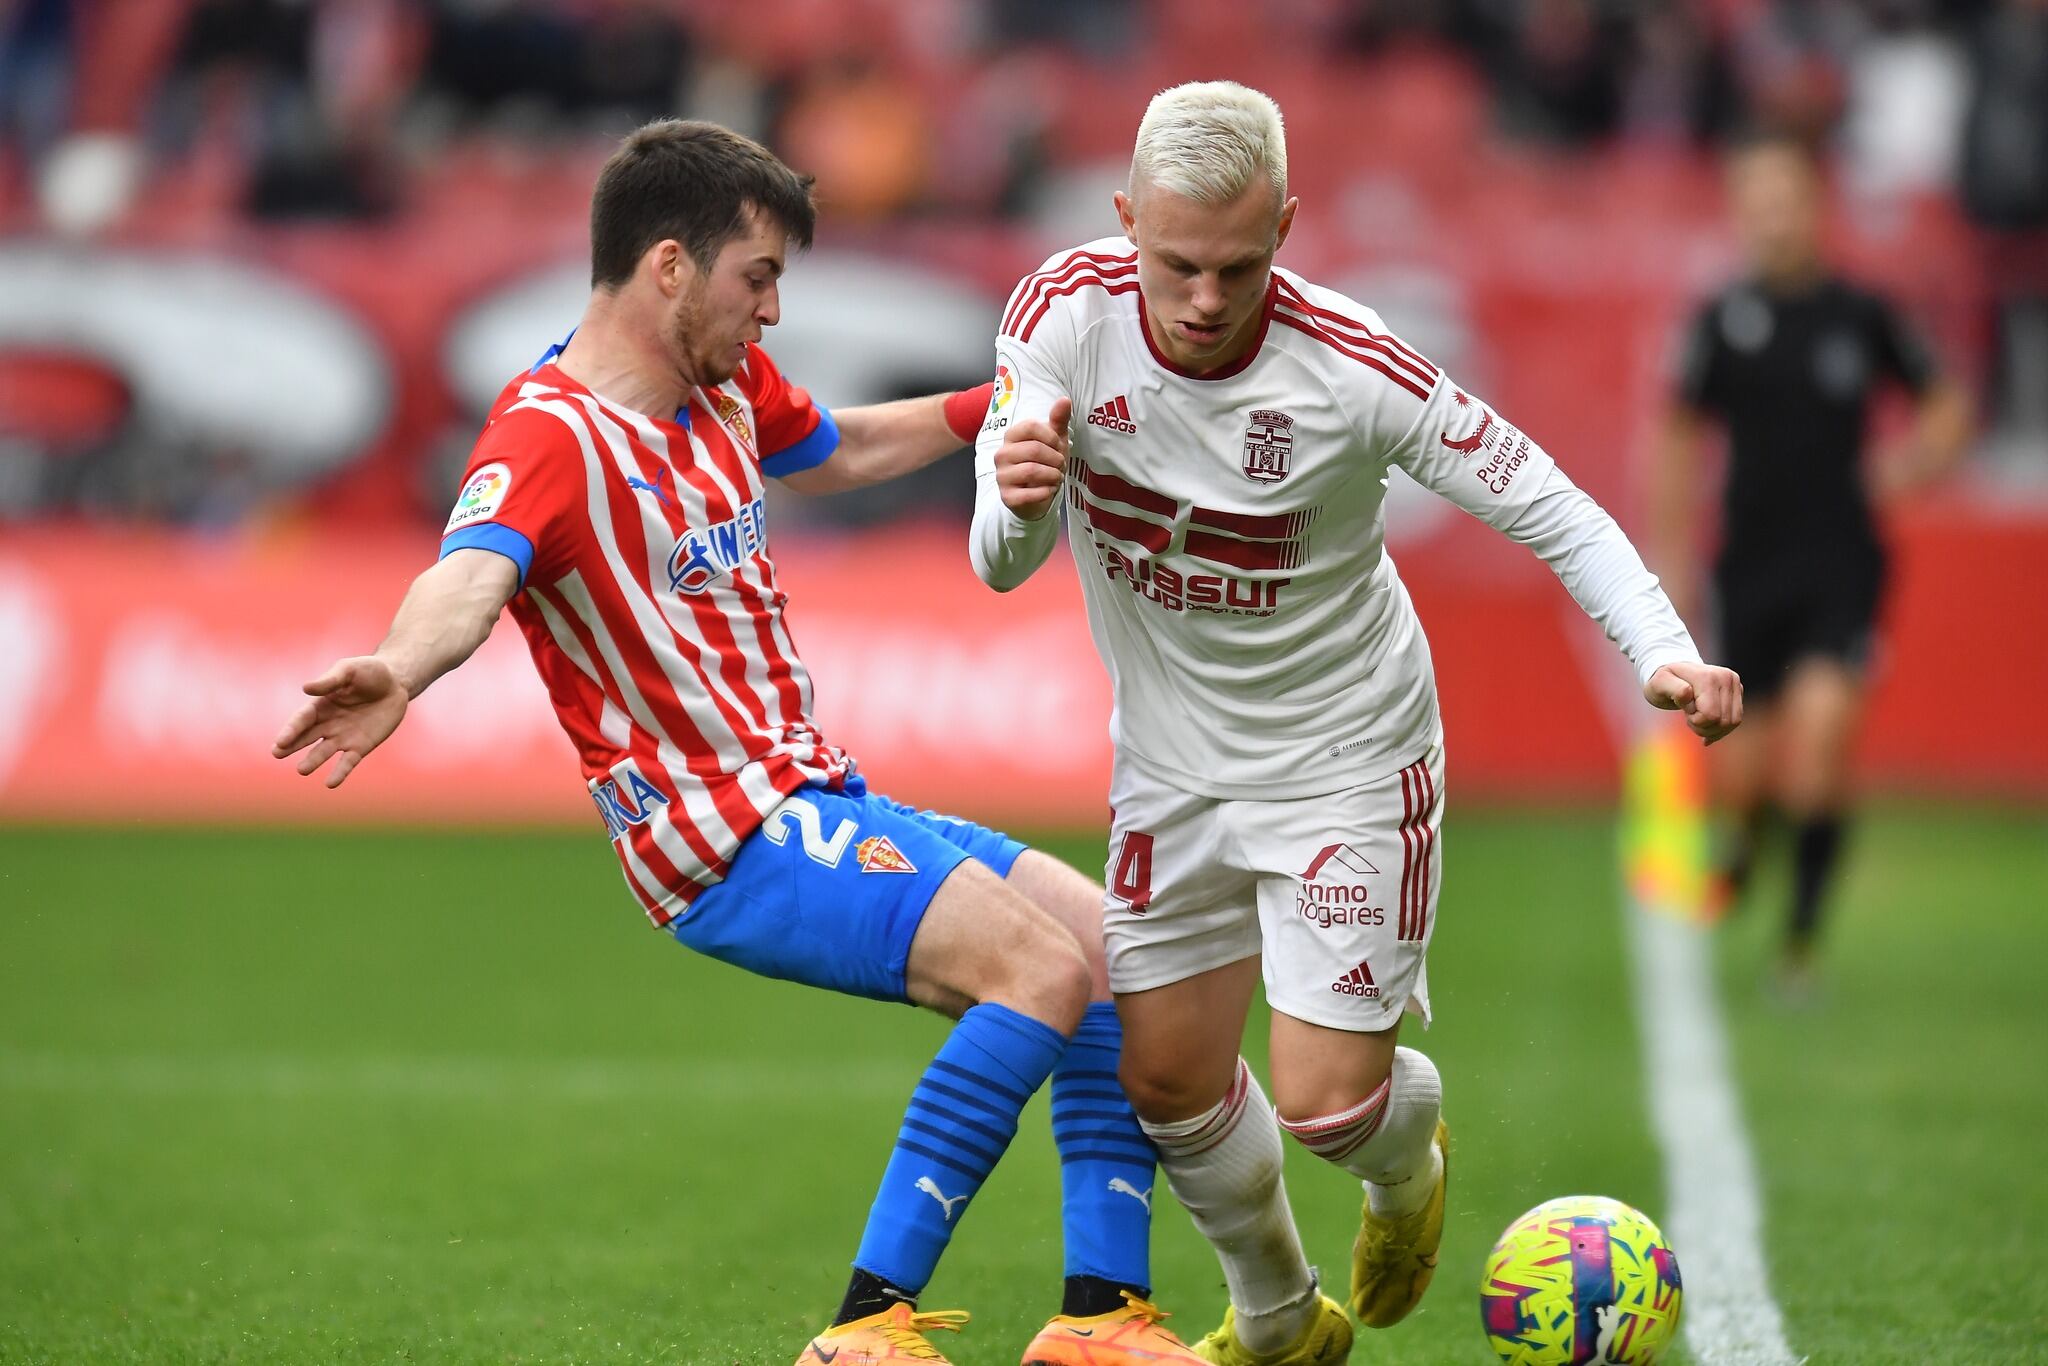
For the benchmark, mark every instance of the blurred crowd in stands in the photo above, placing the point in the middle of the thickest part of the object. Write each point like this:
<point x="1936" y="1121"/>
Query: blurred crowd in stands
<point x="343" y="111"/>
<point x="945" y="105"/>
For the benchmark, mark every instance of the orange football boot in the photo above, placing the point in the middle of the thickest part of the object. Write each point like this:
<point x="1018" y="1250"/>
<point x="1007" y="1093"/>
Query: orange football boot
<point x="1128" y="1336"/>
<point x="895" y="1334"/>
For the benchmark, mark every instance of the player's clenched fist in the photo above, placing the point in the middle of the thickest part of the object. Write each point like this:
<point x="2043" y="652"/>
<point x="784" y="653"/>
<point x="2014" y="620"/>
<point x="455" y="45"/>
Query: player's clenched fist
<point x="1031" y="464"/>
<point x="1710" y="697"/>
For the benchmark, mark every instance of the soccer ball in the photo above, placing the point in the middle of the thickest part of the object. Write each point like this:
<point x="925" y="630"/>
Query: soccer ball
<point x="1581" y="1281"/>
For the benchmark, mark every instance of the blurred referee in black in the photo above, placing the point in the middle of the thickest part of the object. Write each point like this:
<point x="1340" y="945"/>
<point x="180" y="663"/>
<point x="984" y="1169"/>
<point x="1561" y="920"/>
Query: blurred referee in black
<point x="1787" y="361"/>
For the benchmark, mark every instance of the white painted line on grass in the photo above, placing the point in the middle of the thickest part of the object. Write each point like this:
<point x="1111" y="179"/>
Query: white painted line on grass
<point x="1713" y="1209"/>
<point x="1713" y="1213"/>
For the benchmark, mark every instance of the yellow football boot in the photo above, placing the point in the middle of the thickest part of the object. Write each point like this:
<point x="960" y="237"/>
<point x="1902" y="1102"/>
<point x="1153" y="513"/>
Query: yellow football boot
<point x="1325" y="1342"/>
<point x="895" y="1334"/>
<point x="1393" y="1260"/>
<point x="1122" y="1337"/>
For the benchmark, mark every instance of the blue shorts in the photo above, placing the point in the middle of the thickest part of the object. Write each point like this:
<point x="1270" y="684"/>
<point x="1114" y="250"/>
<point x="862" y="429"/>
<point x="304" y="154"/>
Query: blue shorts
<point x="830" y="890"/>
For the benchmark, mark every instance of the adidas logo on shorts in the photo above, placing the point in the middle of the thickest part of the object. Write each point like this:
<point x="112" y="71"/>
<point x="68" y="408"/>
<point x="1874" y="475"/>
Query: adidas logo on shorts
<point x="1357" y="982"/>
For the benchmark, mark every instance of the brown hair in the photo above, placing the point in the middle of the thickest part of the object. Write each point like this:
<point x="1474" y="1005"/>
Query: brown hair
<point x="693" y="182"/>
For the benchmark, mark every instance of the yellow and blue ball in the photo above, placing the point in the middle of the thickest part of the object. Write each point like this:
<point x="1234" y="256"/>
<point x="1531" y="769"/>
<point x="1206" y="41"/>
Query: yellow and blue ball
<point x="1581" y="1281"/>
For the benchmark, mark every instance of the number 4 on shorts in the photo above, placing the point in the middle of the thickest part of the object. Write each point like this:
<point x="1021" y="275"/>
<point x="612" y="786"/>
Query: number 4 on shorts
<point x="1132" y="881"/>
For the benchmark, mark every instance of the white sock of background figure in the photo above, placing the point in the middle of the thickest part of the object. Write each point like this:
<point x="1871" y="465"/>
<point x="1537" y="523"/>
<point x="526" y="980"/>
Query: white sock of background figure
<point x="1388" y="1139"/>
<point x="1224" y="1166"/>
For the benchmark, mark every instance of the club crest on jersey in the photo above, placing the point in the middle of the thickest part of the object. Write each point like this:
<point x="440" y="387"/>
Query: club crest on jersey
<point x="730" y="413"/>
<point x="878" y="855"/>
<point x="1268" y="445"/>
<point x="702" y="558"/>
<point x="625" y="799"/>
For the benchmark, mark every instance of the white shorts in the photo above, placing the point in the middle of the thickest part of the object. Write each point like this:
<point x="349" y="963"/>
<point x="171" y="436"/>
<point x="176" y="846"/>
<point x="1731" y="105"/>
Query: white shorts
<point x="1338" y="891"/>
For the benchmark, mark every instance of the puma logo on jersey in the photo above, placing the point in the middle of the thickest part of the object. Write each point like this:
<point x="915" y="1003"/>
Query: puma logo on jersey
<point x="656" y="488"/>
<point x="1122" y="1187"/>
<point x="1115" y="415"/>
<point x="931" y="1188"/>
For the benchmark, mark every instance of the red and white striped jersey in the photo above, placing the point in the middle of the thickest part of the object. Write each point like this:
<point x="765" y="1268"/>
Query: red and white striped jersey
<point x="1230" y="532"/>
<point x="651" y="607"/>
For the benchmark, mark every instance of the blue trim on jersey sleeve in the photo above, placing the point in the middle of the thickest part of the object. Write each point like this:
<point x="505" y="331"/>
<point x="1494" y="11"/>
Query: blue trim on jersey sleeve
<point x="494" y="536"/>
<point x="812" y="451"/>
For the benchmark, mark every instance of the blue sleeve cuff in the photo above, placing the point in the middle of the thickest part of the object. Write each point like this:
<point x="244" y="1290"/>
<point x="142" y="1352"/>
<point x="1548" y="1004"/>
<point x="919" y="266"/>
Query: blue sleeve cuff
<point x="813" y="450"/>
<point x="492" y="536"/>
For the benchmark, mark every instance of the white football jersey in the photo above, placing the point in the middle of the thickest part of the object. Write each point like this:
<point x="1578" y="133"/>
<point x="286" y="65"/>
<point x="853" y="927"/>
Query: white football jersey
<point x="1229" y="528"/>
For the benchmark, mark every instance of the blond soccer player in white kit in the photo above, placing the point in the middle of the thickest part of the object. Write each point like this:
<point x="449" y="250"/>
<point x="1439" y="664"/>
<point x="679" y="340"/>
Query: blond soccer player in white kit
<point x="1221" y="433"/>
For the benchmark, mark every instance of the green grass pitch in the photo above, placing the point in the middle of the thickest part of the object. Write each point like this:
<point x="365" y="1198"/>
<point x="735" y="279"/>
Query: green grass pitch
<point x="356" y="1097"/>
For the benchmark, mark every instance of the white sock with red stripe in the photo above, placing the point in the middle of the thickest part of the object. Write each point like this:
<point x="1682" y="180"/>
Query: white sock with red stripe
<point x="1388" y="1139"/>
<point x="1224" y="1167"/>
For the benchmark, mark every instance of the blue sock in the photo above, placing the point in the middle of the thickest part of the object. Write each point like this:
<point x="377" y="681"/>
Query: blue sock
<point x="961" y="1117"/>
<point x="1106" y="1162"/>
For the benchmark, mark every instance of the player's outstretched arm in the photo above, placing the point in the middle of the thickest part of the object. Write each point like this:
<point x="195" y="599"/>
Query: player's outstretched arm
<point x="1710" y="697"/>
<point x="358" y="702"/>
<point x="883" y="441"/>
<point x="1601" y="570"/>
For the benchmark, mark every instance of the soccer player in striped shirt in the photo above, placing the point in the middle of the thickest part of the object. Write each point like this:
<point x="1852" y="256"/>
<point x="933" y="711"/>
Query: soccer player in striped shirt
<point x="614" y="503"/>
<point x="1279" y="774"/>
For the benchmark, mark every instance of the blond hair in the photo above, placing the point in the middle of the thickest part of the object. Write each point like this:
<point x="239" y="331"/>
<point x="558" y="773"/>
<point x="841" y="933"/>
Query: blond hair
<point x="1208" y="140"/>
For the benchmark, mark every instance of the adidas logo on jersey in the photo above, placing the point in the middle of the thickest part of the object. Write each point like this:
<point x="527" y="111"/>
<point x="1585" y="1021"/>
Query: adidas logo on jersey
<point x="1357" y="982"/>
<point x="1115" y="415"/>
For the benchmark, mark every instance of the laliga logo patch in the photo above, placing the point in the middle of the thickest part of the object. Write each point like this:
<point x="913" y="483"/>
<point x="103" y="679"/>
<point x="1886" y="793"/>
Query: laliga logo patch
<point x="481" y="497"/>
<point x="878" y="855"/>
<point x="1000" y="398"/>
